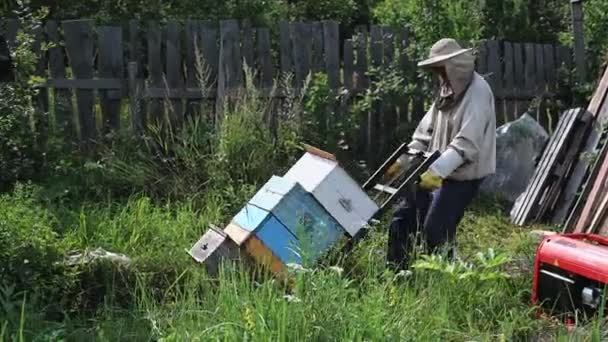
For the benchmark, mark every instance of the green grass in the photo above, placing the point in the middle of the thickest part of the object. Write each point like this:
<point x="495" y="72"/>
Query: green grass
<point x="165" y="296"/>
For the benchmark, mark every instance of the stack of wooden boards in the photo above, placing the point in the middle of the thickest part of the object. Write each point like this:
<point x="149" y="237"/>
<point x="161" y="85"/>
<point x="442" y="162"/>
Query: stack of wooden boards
<point x="294" y="219"/>
<point x="567" y="188"/>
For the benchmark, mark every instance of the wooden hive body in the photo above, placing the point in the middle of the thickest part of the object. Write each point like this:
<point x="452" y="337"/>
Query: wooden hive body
<point x="337" y="192"/>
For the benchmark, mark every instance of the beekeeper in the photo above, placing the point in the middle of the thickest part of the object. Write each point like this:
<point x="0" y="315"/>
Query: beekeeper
<point x="461" y="124"/>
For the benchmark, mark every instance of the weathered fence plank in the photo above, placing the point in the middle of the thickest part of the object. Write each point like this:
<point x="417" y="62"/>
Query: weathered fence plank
<point x="349" y="66"/>
<point x="519" y="76"/>
<point x="374" y="143"/>
<point x="78" y="36"/>
<point x="155" y="69"/>
<point x="210" y="54"/>
<point x="137" y="55"/>
<point x="509" y="80"/>
<point x="247" y="41"/>
<point x="174" y="72"/>
<point x="285" y="48"/>
<point x="64" y="113"/>
<point x="331" y="41"/>
<point x="12" y="28"/>
<point x="360" y="81"/>
<point x="193" y="56"/>
<point x="318" y="61"/>
<point x="230" y="68"/>
<point x="530" y="67"/>
<point x="302" y="43"/>
<point x="264" y="58"/>
<point x="138" y="120"/>
<point x="407" y="69"/>
<point x="495" y="78"/>
<point x="110" y="64"/>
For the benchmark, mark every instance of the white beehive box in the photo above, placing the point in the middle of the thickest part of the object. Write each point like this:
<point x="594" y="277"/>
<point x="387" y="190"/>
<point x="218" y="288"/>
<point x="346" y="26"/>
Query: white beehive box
<point x="321" y="175"/>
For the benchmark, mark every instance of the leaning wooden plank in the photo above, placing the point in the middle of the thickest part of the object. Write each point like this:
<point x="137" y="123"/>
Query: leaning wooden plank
<point x="549" y="63"/>
<point x="110" y="66"/>
<point x="541" y="170"/>
<point x="331" y="41"/>
<point x="598" y="190"/>
<point x="408" y="71"/>
<point x="563" y="170"/>
<point x="542" y="173"/>
<point x="174" y="72"/>
<point x="264" y="58"/>
<point x="598" y="218"/>
<point x="155" y="71"/>
<point x="583" y="199"/>
<point x="64" y="112"/>
<point x="599" y="109"/>
<point x="482" y="58"/>
<point x="78" y="36"/>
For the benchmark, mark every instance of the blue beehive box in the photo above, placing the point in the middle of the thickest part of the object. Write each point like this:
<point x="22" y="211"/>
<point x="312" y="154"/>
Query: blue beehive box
<point x="289" y="221"/>
<point x="268" y="229"/>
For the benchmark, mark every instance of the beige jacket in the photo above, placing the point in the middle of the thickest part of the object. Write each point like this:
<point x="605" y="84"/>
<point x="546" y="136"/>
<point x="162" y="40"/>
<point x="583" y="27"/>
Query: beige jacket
<point x="466" y="134"/>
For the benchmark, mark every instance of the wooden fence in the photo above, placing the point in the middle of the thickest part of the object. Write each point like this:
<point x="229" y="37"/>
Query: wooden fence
<point x="154" y="66"/>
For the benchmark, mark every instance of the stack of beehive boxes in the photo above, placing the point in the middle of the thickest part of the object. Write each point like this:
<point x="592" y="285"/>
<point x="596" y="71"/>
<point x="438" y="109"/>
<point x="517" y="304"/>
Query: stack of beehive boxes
<point x="294" y="219"/>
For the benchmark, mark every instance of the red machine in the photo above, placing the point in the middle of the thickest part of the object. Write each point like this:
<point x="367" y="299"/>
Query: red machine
<point x="571" y="274"/>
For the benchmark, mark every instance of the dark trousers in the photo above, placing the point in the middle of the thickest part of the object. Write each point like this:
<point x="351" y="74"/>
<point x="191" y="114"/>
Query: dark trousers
<point x="430" y="218"/>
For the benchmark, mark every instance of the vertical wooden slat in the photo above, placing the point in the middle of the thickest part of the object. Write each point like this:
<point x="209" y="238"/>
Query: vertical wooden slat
<point x="110" y="64"/>
<point x="388" y="37"/>
<point x="360" y="81"/>
<point x="230" y="77"/>
<point x="549" y="63"/>
<point x="285" y="48"/>
<point x="79" y="44"/>
<point x="264" y="58"/>
<point x="193" y="55"/>
<point x="331" y="40"/>
<point x="407" y="71"/>
<point x="530" y="67"/>
<point x="64" y="112"/>
<point x="519" y="76"/>
<point x="265" y="68"/>
<point x="482" y="58"/>
<point x="349" y="67"/>
<point x="247" y="42"/>
<point x="374" y="145"/>
<point x="495" y="79"/>
<point x="135" y="109"/>
<point x="174" y="72"/>
<point x="155" y="69"/>
<point x="12" y="28"/>
<point x="137" y="55"/>
<point x="302" y="42"/>
<point x="210" y="53"/>
<point x="509" y="81"/>
<point x="318" y="62"/>
<point x="541" y="83"/>
<point x="42" y="98"/>
<point x="578" y="29"/>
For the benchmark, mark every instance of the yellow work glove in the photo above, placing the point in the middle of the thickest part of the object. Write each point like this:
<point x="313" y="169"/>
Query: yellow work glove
<point x="430" y="181"/>
<point x="397" y="166"/>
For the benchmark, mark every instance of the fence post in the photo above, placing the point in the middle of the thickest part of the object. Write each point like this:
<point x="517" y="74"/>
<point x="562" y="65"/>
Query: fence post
<point x="579" y="39"/>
